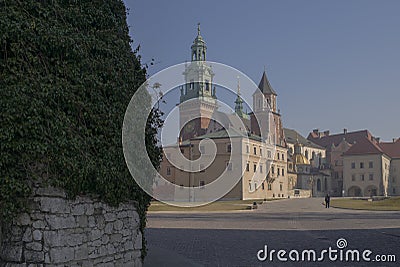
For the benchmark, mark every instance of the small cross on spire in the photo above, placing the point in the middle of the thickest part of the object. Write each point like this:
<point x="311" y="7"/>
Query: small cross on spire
<point x="238" y="85"/>
<point x="198" y="28"/>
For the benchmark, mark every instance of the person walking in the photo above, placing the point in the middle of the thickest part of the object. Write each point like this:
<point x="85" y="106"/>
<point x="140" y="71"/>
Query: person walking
<point x="327" y="200"/>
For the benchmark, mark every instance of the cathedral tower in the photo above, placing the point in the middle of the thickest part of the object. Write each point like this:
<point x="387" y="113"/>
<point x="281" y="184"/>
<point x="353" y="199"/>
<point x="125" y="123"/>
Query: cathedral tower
<point x="198" y="100"/>
<point x="264" y="100"/>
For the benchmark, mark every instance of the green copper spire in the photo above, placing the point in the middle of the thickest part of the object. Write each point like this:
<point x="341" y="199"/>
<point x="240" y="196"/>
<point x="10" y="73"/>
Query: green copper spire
<point x="198" y="74"/>
<point x="199" y="47"/>
<point x="239" y="102"/>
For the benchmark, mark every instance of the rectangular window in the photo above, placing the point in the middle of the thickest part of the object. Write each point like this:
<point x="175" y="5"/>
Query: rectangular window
<point x="278" y="156"/>
<point x="353" y="177"/>
<point x="168" y="171"/>
<point x="280" y="187"/>
<point x="361" y="165"/>
<point x="255" y="167"/>
<point x="279" y="171"/>
<point x="273" y="170"/>
<point x="283" y="156"/>
<point x="362" y="177"/>
<point x="255" y="150"/>
<point x="353" y="165"/>
<point x="202" y="184"/>
<point x="229" y="166"/>
<point x="229" y="148"/>
<point x="262" y="185"/>
<point x="371" y="176"/>
<point x="269" y="154"/>
<point x="247" y="166"/>
<point x="269" y="187"/>
<point x="283" y="172"/>
<point x="371" y="164"/>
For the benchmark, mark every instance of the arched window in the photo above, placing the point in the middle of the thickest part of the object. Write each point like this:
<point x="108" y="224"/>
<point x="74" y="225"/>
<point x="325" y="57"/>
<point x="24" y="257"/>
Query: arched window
<point x="318" y="185"/>
<point x="306" y="154"/>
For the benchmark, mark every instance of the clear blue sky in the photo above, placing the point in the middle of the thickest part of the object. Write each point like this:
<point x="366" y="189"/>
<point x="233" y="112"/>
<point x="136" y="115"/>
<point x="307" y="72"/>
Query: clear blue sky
<point x="334" y="64"/>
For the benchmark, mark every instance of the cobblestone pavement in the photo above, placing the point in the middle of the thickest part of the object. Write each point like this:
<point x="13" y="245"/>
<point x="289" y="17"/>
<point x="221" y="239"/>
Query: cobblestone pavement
<point x="229" y="247"/>
<point x="289" y="214"/>
<point x="234" y="238"/>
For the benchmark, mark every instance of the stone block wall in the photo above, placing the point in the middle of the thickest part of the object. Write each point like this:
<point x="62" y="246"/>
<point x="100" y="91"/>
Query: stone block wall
<point x="80" y="232"/>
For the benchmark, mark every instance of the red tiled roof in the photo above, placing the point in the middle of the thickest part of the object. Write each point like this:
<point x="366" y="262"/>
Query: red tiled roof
<point x="364" y="146"/>
<point x="350" y="137"/>
<point x="391" y="148"/>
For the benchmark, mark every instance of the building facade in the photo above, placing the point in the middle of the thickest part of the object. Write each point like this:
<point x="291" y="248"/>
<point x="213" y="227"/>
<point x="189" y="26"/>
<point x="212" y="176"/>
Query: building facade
<point x="336" y="145"/>
<point x="261" y="164"/>
<point x="361" y="165"/>
<point x="366" y="170"/>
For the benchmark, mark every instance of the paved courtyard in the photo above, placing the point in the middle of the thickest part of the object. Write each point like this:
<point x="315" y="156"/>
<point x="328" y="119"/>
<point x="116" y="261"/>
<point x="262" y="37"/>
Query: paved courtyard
<point x="234" y="238"/>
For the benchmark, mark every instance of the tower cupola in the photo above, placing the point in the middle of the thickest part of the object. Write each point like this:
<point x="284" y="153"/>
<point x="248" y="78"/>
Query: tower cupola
<point x="199" y="48"/>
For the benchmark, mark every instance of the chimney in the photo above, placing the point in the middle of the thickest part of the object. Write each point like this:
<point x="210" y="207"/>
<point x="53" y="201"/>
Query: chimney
<point x="345" y="131"/>
<point x="326" y="133"/>
<point x="378" y="139"/>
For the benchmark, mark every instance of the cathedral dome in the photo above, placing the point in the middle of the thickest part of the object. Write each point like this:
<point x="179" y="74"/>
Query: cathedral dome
<point x="301" y="159"/>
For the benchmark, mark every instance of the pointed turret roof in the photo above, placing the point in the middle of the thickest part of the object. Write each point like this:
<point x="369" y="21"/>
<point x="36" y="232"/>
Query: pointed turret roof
<point x="265" y="86"/>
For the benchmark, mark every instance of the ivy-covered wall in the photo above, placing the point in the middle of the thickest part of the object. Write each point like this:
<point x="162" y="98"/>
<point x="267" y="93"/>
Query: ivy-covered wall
<point x="67" y="73"/>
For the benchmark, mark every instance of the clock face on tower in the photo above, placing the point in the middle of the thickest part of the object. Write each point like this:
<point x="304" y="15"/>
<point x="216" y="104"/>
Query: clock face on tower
<point x="189" y="127"/>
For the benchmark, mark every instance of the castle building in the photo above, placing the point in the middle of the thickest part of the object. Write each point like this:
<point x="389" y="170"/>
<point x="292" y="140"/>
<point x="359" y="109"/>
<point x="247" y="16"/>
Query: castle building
<point x="308" y="174"/>
<point x="392" y="149"/>
<point x="336" y="145"/>
<point x="361" y="164"/>
<point x="200" y="119"/>
<point x="279" y="164"/>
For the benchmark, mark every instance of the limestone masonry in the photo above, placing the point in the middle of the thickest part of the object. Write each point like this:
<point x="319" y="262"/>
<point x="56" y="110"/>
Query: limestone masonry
<point x="81" y="232"/>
